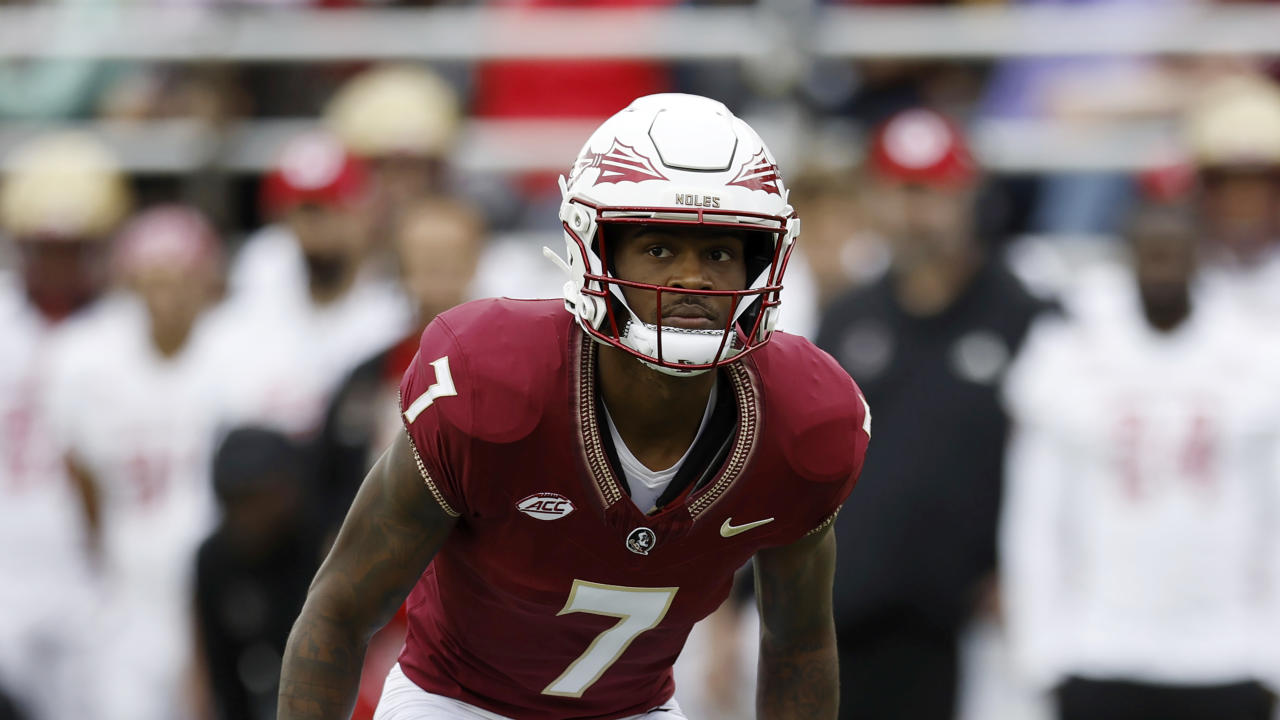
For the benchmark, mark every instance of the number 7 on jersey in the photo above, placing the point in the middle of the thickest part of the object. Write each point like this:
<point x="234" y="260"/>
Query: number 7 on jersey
<point x="442" y="387"/>
<point x="637" y="610"/>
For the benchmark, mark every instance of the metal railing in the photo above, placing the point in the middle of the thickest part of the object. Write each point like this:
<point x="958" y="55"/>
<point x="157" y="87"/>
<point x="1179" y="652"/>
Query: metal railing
<point x="773" y="31"/>
<point x="254" y="34"/>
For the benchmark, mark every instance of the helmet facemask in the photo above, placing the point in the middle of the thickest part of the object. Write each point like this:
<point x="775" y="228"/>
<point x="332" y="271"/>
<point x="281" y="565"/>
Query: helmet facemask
<point x="596" y="294"/>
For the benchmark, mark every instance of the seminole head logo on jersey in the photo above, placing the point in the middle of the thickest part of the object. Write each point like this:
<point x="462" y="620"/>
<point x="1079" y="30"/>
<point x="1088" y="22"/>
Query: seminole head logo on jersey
<point x="641" y="541"/>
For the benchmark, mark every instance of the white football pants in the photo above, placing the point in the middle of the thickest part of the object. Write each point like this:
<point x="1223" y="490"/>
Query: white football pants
<point x="402" y="700"/>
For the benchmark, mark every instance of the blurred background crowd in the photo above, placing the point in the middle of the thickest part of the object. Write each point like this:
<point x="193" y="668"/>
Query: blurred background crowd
<point x="1043" y="236"/>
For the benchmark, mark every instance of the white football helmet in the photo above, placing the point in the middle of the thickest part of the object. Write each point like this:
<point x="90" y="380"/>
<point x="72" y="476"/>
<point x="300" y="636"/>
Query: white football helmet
<point x="677" y="160"/>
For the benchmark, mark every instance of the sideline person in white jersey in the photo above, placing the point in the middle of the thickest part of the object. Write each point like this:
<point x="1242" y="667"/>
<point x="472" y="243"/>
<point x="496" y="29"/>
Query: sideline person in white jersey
<point x="60" y="200"/>
<point x="1141" y="528"/>
<point x="133" y="406"/>
<point x="305" y="304"/>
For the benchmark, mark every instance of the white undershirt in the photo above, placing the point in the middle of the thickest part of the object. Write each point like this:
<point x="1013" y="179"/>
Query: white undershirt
<point x="648" y="485"/>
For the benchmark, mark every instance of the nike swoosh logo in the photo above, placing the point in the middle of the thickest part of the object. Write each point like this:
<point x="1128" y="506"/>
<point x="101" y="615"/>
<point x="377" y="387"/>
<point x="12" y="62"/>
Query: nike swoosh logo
<point x="729" y="530"/>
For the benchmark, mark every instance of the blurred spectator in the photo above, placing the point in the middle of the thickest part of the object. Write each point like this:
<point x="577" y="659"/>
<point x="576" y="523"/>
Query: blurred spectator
<point x="50" y="89"/>
<point x="305" y="304"/>
<point x="1234" y="135"/>
<point x="438" y="243"/>
<point x="209" y="92"/>
<point x="133" y="411"/>
<point x="252" y="573"/>
<point x="928" y="344"/>
<point x="403" y="122"/>
<point x="582" y="89"/>
<point x="314" y="195"/>
<point x="1079" y="91"/>
<point x="873" y="90"/>
<point x="1139" y="537"/>
<point x="61" y="199"/>
<point x="552" y="88"/>
<point x="57" y="88"/>
<point x="840" y="248"/>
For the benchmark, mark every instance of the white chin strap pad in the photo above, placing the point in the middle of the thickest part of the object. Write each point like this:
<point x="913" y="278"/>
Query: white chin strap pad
<point x="679" y="346"/>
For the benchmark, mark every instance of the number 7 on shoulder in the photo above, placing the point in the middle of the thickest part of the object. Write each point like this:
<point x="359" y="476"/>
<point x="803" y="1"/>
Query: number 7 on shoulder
<point x="442" y="387"/>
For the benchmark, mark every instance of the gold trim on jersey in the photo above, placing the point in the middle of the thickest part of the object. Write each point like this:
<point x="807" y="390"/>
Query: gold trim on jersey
<point x="825" y="524"/>
<point x="742" y="444"/>
<point x="598" y="461"/>
<point x="422" y="469"/>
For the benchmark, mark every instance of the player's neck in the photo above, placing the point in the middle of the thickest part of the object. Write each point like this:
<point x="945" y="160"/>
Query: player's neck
<point x="657" y="415"/>
<point x="1169" y="313"/>
<point x="329" y="278"/>
<point x="170" y="339"/>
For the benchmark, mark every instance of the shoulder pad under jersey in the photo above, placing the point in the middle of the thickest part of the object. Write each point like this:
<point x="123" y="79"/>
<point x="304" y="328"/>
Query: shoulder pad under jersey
<point x="814" y="410"/>
<point x="509" y="355"/>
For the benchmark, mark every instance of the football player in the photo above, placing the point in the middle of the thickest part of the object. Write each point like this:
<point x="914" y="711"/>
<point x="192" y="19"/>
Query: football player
<point x="1138" y="538"/>
<point x="402" y="121"/>
<point x="573" y="491"/>
<point x="141" y="462"/>
<point x="61" y="199"/>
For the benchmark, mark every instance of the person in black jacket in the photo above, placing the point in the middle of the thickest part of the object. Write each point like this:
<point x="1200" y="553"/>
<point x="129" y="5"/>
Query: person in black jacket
<point x="252" y="573"/>
<point x="927" y="343"/>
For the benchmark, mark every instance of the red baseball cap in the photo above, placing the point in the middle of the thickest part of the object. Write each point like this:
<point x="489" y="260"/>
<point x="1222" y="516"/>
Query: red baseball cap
<point x="313" y="169"/>
<point x="923" y="147"/>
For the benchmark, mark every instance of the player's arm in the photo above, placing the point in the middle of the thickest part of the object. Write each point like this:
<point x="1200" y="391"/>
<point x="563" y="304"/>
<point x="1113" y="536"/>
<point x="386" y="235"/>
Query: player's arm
<point x="86" y="486"/>
<point x="392" y="531"/>
<point x="797" y="676"/>
<point x="1035" y="532"/>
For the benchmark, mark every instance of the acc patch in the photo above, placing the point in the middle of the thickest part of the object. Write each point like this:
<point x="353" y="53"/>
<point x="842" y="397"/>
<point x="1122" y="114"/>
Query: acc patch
<point x="546" y="506"/>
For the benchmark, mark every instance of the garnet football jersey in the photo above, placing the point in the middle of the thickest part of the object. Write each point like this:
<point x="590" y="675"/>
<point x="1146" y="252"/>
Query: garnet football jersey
<point x="554" y="596"/>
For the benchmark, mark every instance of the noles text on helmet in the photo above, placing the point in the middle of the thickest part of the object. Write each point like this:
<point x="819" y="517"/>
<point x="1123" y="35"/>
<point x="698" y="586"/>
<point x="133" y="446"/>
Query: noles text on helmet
<point x="682" y="165"/>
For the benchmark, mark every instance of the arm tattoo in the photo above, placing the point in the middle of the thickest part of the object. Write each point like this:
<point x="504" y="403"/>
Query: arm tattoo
<point x="798" y="681"/>
<point x="316" y="680"/>
<point x="391" y="533"/>
<point x="798" y="676"/>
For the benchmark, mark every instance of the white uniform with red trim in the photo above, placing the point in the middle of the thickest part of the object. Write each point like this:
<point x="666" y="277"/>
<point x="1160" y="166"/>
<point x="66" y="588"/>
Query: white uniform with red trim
<point x="288" y="354"/>
<point x="1141" y="535"/>
<point x="43" y="579"/>
<point x="144" y="427"/>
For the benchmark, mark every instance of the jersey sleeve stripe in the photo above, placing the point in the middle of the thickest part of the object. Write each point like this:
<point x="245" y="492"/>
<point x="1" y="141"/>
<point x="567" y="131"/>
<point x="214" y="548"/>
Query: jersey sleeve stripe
<point x="431" y="484"/>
